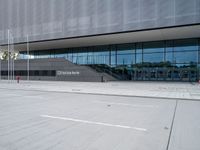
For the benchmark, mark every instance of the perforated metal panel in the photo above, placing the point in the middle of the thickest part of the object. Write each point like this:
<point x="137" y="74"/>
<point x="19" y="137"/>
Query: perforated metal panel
<point x="52" y="19"/>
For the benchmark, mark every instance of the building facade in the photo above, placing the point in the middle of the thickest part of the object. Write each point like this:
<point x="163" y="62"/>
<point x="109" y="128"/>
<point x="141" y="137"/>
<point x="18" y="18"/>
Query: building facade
<point x="127" y="39"/>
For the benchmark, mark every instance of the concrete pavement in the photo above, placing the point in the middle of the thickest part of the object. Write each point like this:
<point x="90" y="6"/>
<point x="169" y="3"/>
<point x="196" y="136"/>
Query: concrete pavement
<point x="174" y="90"/>
<point x="48" y="116"/>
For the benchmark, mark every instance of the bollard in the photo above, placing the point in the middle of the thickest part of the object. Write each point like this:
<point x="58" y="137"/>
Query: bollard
<point x="102" y="79"/>
<point x="18" y="78"/>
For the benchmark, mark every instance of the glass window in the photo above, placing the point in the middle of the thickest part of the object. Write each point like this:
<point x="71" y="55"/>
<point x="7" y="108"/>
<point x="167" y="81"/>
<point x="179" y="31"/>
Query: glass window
<point x="113" y="56"/>
<point x="70" y="57"/>
<point x="153" y="47"/>
<point x="101" y="55"/>
<point x="139" y="57"/>
<point x="60" y="53"/>
<point x="80" y="55"/>
<point x="36" y="53"/>
<point x="75" y="58"/>
<point x="185" y="57"/>
<point x="52" y="53"/>
<point x="82" y="58"/>
<point x="153" y="52"/>
<point x="22" y="55"/>
<point x="153" y="57"/>
<point x="125" y="54"/>
<point x="90" y="57"/>
<point x="169" y="46"/>
<point x="199" y="55"/>
<point x="170" y="57"/>
<point x="182" y="57"/>
<point x="186" y="45"/>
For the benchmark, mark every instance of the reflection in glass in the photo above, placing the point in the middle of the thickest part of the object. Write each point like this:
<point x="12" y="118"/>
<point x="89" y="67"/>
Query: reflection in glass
<point x="153" y="57"/>
<point x="139" y="56"/>
<point x="165" y="60"/>
<point x="185" y="57"/>
<point x="125" y="54"/>
<point x="186" y="45"/>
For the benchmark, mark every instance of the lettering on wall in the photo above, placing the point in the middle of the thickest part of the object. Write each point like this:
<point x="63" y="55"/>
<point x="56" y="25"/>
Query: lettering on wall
<point x="67" y="73"/>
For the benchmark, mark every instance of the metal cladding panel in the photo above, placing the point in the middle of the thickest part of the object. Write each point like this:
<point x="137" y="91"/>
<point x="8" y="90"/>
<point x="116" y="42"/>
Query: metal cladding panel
<point x="52" y="19"/>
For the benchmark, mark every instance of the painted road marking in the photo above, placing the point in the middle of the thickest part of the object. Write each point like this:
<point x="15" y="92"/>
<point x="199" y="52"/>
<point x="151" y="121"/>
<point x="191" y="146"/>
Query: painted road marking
<point x="95" y="123"/>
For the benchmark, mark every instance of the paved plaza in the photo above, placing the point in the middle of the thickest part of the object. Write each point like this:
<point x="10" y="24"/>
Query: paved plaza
<point x="99" y="116"/>
<point x="169" y="90"/>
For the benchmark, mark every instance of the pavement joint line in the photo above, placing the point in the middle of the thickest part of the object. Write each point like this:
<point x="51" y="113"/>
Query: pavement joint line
<point x="104" y="94"/>
<point x="95" y="123"/>
<point x="172" y="125"/>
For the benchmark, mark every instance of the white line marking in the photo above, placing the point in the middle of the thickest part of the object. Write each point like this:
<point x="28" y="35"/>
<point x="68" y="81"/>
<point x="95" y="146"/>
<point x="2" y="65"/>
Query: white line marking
<point x="96" y="123"/>
<point x="124" y="104"/>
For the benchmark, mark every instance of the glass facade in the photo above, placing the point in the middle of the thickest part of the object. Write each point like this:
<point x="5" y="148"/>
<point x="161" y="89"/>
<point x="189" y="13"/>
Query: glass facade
<point x="174" y="60"/>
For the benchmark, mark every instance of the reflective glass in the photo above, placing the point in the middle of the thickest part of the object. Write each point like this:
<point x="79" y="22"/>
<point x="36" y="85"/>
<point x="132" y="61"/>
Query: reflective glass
<point x="153" y="47"/>
<point x="70" y="57"/>
<point x="170" y="57"/>
<point x="185" y="57"/>
<point x="82" y="58"/>
<point x="113" y="56"/>
<point x="146" y="61"/>
<point x="169" y="46"/>
<point x="101" y="55"/>
<point x="125" y="54"/>
<point x="153" y="57"/>
<point x="60" y="53"/>
<point x="186" y="45"/>
<point x="90" y="58"/>
<point x="139" y="56"/>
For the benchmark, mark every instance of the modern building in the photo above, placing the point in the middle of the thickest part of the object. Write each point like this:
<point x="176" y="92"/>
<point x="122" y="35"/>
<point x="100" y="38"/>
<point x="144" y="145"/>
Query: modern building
<point x="95" y="40"/>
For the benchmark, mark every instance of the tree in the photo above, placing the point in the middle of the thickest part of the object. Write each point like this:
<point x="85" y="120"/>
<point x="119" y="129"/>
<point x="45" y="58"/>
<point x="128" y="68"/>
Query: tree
<point x="5" y="55"/>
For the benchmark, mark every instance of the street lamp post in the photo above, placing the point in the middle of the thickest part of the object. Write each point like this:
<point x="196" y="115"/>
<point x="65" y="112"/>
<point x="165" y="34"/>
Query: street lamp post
<point x="13" y="59"/>
<point x="8" y="54"/>
<point x="0" y="61"/>
<point x="13" y="66"/>
<point x="28" y="61"/>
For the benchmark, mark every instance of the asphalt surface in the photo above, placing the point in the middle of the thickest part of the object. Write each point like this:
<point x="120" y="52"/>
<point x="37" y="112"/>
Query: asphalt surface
<point x="46" y="120"/>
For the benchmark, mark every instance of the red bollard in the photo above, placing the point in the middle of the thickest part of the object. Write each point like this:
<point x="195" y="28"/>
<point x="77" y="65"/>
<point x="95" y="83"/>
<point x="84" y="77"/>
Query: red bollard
<point x="18" y="78"/>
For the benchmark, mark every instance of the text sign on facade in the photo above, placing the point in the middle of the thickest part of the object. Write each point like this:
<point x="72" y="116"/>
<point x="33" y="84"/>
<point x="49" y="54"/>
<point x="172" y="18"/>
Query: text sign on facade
<point x="67" y="73"/>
